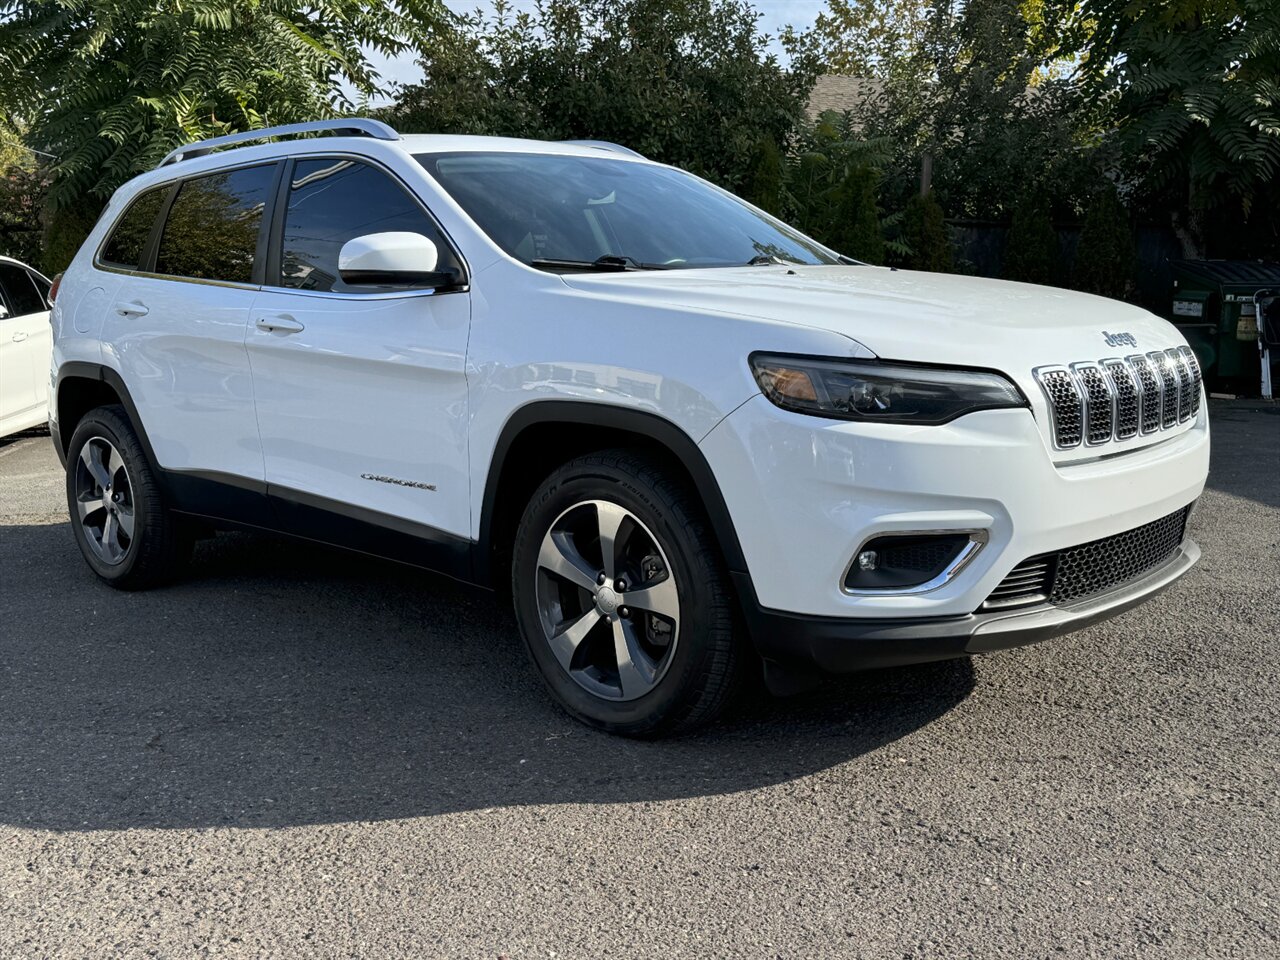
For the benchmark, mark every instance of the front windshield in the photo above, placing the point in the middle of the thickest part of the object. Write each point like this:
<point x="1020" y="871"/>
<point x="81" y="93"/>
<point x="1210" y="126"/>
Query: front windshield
<point x="556" y="211"/>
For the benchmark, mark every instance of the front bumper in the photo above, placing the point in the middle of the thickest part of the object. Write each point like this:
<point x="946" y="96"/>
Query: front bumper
<point x="794" y="644"/>
<point x="805" y="493"/>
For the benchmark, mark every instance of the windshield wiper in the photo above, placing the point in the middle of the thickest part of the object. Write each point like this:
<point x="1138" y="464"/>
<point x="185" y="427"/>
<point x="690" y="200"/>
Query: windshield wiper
<point x="766" y="259"/>
<point x="609" y="263"/>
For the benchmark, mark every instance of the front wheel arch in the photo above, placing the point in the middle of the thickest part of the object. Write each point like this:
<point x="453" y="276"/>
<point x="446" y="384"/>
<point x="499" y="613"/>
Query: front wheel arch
<point x="541" y="436"/>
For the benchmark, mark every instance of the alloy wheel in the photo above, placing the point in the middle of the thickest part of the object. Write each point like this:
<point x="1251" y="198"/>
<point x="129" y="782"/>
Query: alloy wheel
<point x="104" y="500"/>
<point x="607" y="600"/>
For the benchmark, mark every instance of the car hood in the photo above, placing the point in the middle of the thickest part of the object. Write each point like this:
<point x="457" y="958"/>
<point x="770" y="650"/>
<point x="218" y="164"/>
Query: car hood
<point x="910" y="316"/>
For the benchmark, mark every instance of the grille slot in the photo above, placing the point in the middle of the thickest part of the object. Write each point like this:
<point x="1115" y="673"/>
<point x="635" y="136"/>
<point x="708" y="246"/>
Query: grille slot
<point x="1127" y="398"/>
<point x="1066" y="402"/>
<point x="1099" y="413"/>
<point x="1094" y="402"/>
<point x="1184" y="383"/>
<point x="1151" y="387"/>
<point x="1083" y="571"/>
<point x="1169" y="383"/>
<point x="1197" y="379"/>
<point x="1028" y="582"/>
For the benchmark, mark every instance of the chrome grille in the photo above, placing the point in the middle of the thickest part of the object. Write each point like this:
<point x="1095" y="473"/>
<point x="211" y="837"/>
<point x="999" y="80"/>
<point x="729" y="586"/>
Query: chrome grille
<point x="1091" y="568"/>
<point x="1094" y="402"/>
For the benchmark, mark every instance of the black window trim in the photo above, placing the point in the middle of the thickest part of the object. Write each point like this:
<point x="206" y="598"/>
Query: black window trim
<point x="152" y="246"/>
<point x="275" y="244"/>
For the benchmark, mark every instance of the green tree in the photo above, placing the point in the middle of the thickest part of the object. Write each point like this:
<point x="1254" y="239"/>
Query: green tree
<point x="109" y="86"/>
<point x="855" y="230"/>
<point x="977" y="87"/>
<point x="1104" y="261"/>
<point x="1031" y="253"/>
<point x="924" y="233"/>
<point x="23" y="182"/>
<point x="688" y="82"/>
<point x="1193" y="87"/>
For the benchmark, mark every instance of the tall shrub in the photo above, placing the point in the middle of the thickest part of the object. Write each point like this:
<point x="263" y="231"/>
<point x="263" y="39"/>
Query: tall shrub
<point x="1104" y="263"/>
<point x="1031" y="254"/>
<point x="924" y="231"/>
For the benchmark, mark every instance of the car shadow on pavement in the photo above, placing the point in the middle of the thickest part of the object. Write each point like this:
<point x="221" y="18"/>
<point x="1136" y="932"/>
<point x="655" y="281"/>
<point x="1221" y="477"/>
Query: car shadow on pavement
<point x="283" y="684"/>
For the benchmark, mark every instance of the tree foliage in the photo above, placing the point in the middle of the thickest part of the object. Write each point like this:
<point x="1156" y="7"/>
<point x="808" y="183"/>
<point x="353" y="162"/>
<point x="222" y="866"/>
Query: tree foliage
<point x="109" y="86"/>
<point x="1031" y="254"/>
<point x="1104" y="260"/>
<point x="1194" y="88"/>
<point x="687" y="82"/>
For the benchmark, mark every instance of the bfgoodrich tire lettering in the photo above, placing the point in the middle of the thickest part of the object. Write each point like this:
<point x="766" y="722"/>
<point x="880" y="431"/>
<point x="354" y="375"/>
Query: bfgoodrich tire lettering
<point x="622" y="599"/>
<point x="117" y="509"/>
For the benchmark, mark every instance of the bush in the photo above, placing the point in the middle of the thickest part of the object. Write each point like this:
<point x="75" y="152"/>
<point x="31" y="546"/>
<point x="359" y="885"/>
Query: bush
<point x="1031" y="254"/>
<point x="855" y="231"/>
<point x="1104" y="263"/>
<point x="765" y="182"/>
<point x="924" y="232"/>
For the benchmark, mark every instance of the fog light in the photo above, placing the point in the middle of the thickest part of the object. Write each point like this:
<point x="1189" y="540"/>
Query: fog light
<point x="904" y="562"/>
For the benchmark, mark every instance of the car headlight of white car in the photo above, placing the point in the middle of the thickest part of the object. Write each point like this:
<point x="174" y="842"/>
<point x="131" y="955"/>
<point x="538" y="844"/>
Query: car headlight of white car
<point x="875" y="391"/>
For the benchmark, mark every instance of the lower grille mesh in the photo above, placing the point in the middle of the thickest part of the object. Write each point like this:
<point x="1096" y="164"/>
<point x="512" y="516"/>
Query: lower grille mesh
<point x="1091" y="568"/>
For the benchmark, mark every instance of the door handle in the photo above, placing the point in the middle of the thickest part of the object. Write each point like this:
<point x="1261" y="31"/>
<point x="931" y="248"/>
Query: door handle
<point x="19" y="336"/>
<point x="280" y="323"/>
<point x="132" y="309"/>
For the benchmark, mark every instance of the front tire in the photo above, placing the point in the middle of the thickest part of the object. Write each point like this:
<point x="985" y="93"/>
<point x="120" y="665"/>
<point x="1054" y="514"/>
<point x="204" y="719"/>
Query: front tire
<point x="117" y="508"/>
<point x="622" y="598"/>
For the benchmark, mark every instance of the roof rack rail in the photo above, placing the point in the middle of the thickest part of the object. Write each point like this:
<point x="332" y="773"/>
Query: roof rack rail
<point x="605" y="145"/>
<point x="353" y="126"/>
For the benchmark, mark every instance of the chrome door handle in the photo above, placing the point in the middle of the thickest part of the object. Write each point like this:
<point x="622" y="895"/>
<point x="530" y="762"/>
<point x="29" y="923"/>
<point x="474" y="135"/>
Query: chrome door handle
<point x="134" y="309"/>
<point x="281" y="323"/>
<point x="19" y="336"/>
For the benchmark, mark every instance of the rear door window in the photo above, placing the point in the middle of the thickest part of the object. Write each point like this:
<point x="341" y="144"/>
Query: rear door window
<point x="19" y="291"/>
<point x="212" y="229"/>
<point x="331" y="201"/>
<point x="128" y="241"/>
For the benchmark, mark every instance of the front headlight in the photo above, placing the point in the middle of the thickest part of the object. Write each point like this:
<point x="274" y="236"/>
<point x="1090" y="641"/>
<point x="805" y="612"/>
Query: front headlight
<point x="873" y="391"/>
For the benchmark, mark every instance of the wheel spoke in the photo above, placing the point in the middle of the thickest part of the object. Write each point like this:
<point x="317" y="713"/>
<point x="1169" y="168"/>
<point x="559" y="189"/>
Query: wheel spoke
<point x="110" y="540"/>
<point x="610" y="517"/>
<point x="94" y="464"/>
<point x="115" y="464"/>
<point x="560" y="557"/>
<point x="89" y="504"/>
<point x="660" y="598"/>
<point x="124" y="517"/>
<point x="565" y="642"/>
<point x="635" y="670"/>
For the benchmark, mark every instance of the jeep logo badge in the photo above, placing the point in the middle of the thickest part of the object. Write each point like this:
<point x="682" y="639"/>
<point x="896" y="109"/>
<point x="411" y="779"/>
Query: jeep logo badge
<point x="1120" y="339"/>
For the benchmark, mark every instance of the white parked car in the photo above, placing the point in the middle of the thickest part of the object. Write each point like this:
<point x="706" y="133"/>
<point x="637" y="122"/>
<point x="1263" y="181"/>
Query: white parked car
<point x="687" y="439"/>
<point x="25" y="344"/>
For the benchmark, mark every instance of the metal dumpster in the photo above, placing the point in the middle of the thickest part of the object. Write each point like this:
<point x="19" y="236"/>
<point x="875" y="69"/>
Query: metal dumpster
<point x="1214" y="308"/>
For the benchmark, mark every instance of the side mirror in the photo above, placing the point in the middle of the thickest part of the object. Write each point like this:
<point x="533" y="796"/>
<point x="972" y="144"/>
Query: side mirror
<point x="396" y="258"/>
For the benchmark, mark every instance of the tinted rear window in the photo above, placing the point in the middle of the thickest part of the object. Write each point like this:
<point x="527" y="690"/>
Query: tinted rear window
<point x="18" y="291"/>
<point x="212" y="229"/>
<point x="129" y="238"/>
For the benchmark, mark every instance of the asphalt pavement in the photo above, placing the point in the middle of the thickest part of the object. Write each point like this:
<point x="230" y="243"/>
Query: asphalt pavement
<point x="298" y="752"/>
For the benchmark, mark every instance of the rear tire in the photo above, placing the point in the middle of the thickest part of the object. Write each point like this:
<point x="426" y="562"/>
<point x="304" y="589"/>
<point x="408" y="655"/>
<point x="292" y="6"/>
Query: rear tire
<point x="622" y="598"/>
<point x="118" y="515"/>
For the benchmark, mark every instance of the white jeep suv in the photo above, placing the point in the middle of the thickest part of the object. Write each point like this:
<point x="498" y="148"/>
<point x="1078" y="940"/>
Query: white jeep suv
<point x="689" y="439"/>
